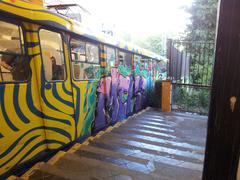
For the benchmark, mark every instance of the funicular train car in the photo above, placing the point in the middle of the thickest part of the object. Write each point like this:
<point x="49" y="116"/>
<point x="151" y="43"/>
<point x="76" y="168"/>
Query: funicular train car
<point x="60" y="83"/>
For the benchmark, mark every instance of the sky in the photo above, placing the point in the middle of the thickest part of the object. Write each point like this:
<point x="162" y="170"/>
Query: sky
<point x="138" y="17"/>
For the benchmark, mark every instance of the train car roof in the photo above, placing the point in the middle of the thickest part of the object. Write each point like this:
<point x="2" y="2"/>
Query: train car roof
<point x="43" y="16"/>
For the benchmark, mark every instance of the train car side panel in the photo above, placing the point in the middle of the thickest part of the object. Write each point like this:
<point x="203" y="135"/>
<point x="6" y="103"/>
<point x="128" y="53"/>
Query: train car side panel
<point x="55" y="88"/>
<point x="22" y="134"/>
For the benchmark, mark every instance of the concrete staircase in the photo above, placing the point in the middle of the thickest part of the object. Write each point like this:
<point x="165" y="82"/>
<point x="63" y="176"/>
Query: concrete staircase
<point x="145" y="146"/>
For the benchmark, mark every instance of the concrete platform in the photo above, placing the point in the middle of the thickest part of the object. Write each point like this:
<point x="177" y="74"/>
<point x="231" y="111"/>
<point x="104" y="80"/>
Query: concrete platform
<point x="151" y="145"/>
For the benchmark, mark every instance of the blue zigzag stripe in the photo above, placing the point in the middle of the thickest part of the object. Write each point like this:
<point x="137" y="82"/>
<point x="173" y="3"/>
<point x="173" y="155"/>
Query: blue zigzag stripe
<point x="20" y="150"/>
<point x="66" y="91"/>
<point x="11" y="147"/>
<point x="16" y="105"/>
<point x="77" y="111"/>
<point x="37" y="146"/>
<point x="8" y="121"/>
<point x="43" y="94"/>
<point x="56" y="95"/>
<point x="38" y="113"/>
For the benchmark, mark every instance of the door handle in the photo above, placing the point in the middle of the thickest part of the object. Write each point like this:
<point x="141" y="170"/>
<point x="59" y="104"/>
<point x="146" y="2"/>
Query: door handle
<point x="233" y="101"/>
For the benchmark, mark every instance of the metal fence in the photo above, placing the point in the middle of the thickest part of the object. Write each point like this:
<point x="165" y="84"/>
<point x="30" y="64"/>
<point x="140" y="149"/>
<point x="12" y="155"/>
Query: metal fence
<point x="190" y="70"/>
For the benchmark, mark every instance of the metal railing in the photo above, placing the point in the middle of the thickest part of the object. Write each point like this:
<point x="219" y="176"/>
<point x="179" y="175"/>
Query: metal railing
<point x="190" y="70"/>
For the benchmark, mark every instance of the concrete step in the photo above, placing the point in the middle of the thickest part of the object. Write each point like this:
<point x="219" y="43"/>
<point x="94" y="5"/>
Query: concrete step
<point x="99" y="167"/>
<point x="165" y="136"/>
<point x="156" y="158"/>
<point x="153" y="149"/>
<point x="148" y="127"/>
<point x="52" y="172"/>
<point x="146" y="130"/>
<point x="113" y="154"/>
<point x="147" y="122"/>
<point x="160" y="142"/>
<point x="120" y="160"/>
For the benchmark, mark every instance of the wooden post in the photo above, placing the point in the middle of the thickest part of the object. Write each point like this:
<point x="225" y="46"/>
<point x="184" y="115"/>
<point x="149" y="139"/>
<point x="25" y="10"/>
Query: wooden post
<point x="223" y="136"/>
<point x="166" y="96"/>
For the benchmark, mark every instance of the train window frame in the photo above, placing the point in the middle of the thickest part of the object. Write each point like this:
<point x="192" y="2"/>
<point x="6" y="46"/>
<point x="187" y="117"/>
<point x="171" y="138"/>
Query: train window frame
<point x="96" y="45"/>
<point x="135" y="55"/>
<point x="86" y="59"/>
<point x="64" y="54"/>
<point x="143" y="62"/>
<point x="23" y="53"/>
<point x="70" y="49"/>
<point x="116" y="56"/>
<point x="125" y="52"/>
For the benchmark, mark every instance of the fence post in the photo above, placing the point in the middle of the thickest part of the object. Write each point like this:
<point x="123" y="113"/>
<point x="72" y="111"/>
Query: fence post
<point x="169" y="57"/>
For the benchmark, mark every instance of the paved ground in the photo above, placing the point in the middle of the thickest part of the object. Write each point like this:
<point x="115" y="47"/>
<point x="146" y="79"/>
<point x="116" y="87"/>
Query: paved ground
<point x="152" y="145"/>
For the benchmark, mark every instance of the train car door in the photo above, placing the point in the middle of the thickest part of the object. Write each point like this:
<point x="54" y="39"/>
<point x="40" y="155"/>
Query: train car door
<point x="107" y="91"/>
<point x="22" y="134"/>
<point x="112" y="70"/>
<point x="144" y="81"/>
<point x="125" y="84"/>
<point x="85" y="79"/>
<point x="55" y="88"/>
<point x="137" y="81"/>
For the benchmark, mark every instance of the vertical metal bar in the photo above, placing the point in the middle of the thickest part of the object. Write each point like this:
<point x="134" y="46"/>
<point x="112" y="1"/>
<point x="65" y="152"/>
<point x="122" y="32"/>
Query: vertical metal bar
<point x="169" y="57"/>
<point x="209" y="49"/>
<point x="203" y="63"/>
<point x="190" y="65"/>
<point x="186" y="60"/>
<point x="181" y="63"/>
<point x="199" y="59"/>
<point x="177" y="62"/>
<point x="212" y="64"/>
<point x="172" y="61"/>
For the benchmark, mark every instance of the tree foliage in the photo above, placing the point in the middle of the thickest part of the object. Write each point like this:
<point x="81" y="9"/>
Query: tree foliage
<point x="203" y="20"/>
<point x="154" y="43"/>
<point x="200" y="35"/>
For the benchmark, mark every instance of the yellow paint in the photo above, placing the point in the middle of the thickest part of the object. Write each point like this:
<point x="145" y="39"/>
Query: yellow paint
<point x="55" y="158"/>
<point x="103" y="64"/>
<point x="37" y="2"/>
<point x="74" y="148"/>
<point x="32" y="170"/>
<point x="166" y="96"/>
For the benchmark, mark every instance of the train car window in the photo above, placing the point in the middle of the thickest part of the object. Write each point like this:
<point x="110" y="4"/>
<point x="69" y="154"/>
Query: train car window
<point x="53" y="56"/>
<point x="143" y="63"/>
<point x="85" y="71"/>
<point x="137" y="59"/>
<point x="78" y="50"/>
<point x="111" y="57"/>
<point x="125" y="58"/>
<point x="14" y="64"/>
<point x="85" y="60"/>
<point x="92" y="53"/>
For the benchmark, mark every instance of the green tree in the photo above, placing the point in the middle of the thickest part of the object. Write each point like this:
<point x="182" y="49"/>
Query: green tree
<point x="203" y="29"/>
<point x="201" y="34"/>
<point x="203" y="20"/>
<point x="154" y="43"/>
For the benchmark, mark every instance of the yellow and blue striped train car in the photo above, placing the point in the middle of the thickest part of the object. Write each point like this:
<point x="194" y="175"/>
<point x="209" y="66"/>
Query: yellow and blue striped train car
<point x="59" y="82"/>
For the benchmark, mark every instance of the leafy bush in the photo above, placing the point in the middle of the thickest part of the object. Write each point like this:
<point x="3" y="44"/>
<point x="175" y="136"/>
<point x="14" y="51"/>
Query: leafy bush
<point x="191" y="99"/>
